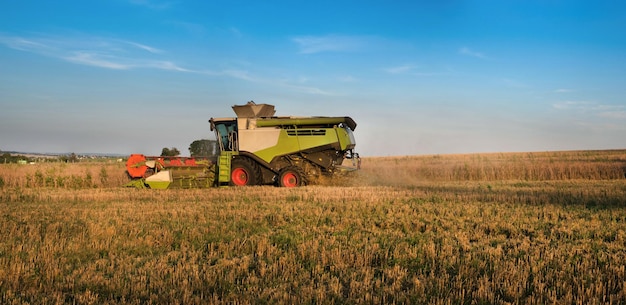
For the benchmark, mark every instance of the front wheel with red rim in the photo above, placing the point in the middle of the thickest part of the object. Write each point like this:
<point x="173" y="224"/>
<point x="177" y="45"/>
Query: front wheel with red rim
<point x="291" y="177"/>
<point x="243" y="172"/>
<point x="240" y="177"/>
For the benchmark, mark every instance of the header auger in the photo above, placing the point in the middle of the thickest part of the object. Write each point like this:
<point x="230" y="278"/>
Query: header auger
<point x="256" y="148"/>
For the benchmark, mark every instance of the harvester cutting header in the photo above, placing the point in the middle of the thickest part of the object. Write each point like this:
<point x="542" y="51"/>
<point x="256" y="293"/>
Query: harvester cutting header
<point x="257" y="148"/>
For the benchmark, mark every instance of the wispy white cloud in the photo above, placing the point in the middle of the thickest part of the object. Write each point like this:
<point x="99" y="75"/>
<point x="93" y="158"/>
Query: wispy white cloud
<point x="93" y="51"/>
<point x="620" y="115"/>
<point x="298" y="84"/>
<point x="168" y="65"/>
<point x="240" y="74"/>
<point x="96" y="60"/>
<point x="145" y="47"/>
<point x="308" y="89"/>
<point x="469" y="52"/>
<point x="611" y="111"/>
<point x="23" y="44"/>
<point x="412" y="70"/>
<point x="331" y="43"/>
<point x="116" y="54"/>
<point x="582" y="105"/>
<point x="563" y="90"/>
<point x="593" y="108"/>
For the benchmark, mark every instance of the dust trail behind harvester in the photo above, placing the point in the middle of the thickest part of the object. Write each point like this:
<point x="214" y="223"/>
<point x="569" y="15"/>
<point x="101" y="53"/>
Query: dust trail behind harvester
<point x="376" y="172"/>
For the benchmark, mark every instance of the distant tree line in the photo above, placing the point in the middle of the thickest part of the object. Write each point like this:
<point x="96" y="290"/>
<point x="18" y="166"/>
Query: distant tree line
<point x="8" y="158"/>
<point x="197" y="148"/>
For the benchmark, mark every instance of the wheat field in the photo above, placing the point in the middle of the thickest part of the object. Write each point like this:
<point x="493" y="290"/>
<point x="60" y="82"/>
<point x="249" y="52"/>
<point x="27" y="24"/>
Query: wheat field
<point x="515" y="228"/>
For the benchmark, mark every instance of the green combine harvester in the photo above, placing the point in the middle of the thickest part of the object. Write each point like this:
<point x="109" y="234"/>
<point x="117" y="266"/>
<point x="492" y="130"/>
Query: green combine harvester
<point x="256" y="148"/>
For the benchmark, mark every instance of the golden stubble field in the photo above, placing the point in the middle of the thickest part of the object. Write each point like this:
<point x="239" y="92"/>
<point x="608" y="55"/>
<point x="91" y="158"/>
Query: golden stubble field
<point x="516" y="228"/>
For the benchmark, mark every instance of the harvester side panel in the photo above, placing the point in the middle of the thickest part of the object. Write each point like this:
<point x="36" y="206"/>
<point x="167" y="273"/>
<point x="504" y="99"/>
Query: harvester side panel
<point x="292" y="141"/>
<point x="258" y="139"/>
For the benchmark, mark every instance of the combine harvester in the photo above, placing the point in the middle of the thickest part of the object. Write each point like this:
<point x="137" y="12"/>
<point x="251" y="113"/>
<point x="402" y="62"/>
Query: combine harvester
<point x="256" y="148"/>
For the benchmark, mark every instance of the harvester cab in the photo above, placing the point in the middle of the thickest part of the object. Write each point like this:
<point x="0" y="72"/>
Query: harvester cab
<point x="226" y="134"/>
<point x="226" y="129"/>
<point x="258" y="148"/>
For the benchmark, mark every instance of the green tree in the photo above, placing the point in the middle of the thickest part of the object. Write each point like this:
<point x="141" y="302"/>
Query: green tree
<point x="6" y="157"/>
<point x="203" y="148"/>
<point x="71" y="158"/>
<point x="170" y="152"/>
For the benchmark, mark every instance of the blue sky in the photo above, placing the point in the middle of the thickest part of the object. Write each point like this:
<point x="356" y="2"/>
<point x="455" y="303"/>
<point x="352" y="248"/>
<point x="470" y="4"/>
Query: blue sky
<point x="419" y="77"/>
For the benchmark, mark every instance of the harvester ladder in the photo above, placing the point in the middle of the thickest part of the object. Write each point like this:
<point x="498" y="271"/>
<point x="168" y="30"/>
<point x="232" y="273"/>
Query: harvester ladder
<point x="224" y="167"/>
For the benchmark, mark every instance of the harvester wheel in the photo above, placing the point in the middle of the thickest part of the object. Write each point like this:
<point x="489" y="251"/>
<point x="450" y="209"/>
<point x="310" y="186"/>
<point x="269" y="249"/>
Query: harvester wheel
<point x="244" y="172"/>
<point x="291" y="176"/>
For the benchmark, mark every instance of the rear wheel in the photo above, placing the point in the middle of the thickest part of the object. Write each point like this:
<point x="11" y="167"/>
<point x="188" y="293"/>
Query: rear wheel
<point x="244" y="172"/>
<point x="291" y="177"/>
